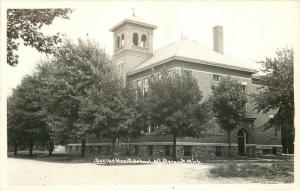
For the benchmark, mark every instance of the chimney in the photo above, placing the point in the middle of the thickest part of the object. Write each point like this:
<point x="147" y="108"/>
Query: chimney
<point x="218" y="39"/>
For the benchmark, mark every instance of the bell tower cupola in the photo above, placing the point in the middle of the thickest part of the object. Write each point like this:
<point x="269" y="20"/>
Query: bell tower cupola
<point x="132" y="43"/>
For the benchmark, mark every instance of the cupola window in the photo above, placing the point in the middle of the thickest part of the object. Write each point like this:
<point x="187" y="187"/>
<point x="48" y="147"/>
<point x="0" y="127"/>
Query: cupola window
<point x="135" y="39"/>
<point x="122" y="39"/>
<point x="118" y="42"/>
<point x="144" y="41"/>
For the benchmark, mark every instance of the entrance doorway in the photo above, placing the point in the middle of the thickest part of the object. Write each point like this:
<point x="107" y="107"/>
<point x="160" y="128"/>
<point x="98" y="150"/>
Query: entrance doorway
<point x="242" y="141"/>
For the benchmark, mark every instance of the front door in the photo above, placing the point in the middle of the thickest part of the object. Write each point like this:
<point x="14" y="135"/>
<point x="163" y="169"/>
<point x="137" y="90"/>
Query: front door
<point x="242" y="140"/>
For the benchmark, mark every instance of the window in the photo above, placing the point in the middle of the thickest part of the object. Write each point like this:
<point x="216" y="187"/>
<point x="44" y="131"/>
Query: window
<point x="216" y="77"/>
<point x="167" y="150"/>
<point x="99" y="149"/>
<point x="149" y="129"/>
<point x="159" y="76"/>
<point x="77" y="148"/>
<point x="120" y="68"/>
<point x="274" y="150"/>
<point x="218" y="151"/>
<point x="244" y="88"/>
<point x="187" y="150"/>
<point x="145" y="86"/>
<point x="118" y="42"/>
<point x="135" y="39"/>
<point x="150" y="150"/>
<point x="70" y="148"/>
<point x="267" y="151"/>
<point x="187" y="72"/>
<point x="136" y="149"/>
<point x="139" y="84"/>
<point x="144" y="40"/>
<point x="107" y="149"/>
<point x="122" y="40"/>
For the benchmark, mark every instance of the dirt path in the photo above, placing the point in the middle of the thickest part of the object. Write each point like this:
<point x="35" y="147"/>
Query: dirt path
<point x="29" y="172"/>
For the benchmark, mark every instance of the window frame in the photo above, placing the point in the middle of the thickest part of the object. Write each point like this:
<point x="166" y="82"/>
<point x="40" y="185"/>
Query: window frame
<point x="187" y="150"/>
<point x="218" y="76"/>
<point x="135" y="39"/>
<point x="150" y="150"/>
<point x="144" y="42"/>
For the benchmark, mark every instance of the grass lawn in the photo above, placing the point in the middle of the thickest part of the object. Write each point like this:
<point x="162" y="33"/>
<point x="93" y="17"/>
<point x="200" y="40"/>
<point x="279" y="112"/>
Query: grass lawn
<point x="278" y="171"/>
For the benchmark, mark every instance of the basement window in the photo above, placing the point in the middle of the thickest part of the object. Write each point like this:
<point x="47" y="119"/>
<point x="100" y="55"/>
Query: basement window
<point x="150" y="149"/>
<point x="218" y="151"/>
<point x="187" y="150"/>
<point x="136" y="149"/>
<point x="167" y="150"/>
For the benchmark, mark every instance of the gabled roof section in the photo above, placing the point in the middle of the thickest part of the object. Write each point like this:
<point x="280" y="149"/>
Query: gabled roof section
<point x="135" y="20"/>
<point x="189" y="50"/>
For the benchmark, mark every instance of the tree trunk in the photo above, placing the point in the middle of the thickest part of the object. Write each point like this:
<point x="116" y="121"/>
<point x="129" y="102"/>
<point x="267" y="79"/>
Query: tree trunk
<point x="16" y="149"/>
<point x="229" y="143"/>
<point x="113" y="148"/>
<point x="51" y="147"/>
<point x="174" y="147"/>
<point x="83" y="149"/>
<point x="30" y="148"/>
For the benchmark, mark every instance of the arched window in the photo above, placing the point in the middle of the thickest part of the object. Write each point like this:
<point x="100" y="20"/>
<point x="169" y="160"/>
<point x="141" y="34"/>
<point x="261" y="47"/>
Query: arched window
<point x="135" y="39"/>
<point x="118" y="42"/>
<point x="144" y="41"/>
<point x="242" y="141"/>
<point x="122" y="39"/>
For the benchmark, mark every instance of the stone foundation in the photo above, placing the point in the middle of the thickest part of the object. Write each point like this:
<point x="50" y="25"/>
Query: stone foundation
<point x="184" y="150"/>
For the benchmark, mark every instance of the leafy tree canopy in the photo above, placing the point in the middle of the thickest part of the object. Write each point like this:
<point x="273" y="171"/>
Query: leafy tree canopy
<point x="228" y="103"/>
<point x="25" y="25"/>
<point x="277" y="95"/>
<point x="277" y="92"/>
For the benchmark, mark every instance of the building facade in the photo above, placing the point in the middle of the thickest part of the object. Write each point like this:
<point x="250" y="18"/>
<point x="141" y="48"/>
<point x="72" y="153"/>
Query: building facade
<point x="136" y="61"/>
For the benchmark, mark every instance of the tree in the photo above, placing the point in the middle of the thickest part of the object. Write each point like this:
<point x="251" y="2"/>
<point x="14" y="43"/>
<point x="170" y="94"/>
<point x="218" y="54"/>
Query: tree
<point x="228" y="105"/>
<point x="277" y="95"/>
<point x="81" y="72"/>
<point x="26" y="24"/>
<point x="106" y="109"/>
<point x="26" y="119"/>
<point x="174" y="102"/>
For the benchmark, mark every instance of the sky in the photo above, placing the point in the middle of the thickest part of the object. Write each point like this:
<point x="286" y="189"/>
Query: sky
<point x="252" y="30"/>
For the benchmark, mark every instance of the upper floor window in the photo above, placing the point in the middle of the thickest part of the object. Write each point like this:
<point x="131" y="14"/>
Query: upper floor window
<point x="144" y="40"/>
<point x="244" y="88"/>
<point x="187" y="72"/>
<point x="122" y="39"/>
<point x="216" y="77"/>
<point x="145" y="86"/>
<point x="139" y="84"/>
<point x="135" y="39"/>
<point x="120" y="68"/>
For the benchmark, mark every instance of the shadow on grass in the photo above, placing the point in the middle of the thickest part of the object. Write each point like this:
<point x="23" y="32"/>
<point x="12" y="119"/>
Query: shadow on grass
<point x="55" y="158"/>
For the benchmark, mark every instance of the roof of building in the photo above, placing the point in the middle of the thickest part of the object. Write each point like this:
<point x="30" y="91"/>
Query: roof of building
<point x="192" y="51"/>
<point x="135" y="20"/>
